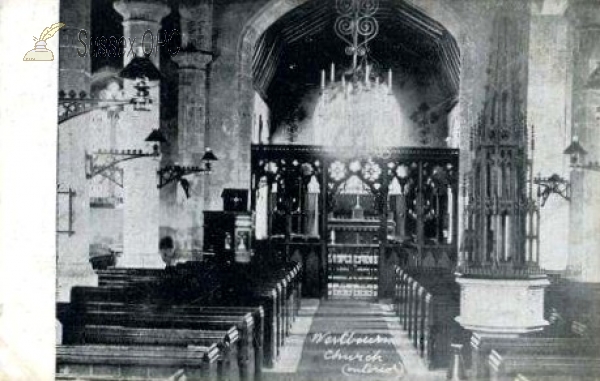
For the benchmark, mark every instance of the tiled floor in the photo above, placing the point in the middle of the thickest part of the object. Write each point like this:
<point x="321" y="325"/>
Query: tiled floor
<point x="305" y="358"/>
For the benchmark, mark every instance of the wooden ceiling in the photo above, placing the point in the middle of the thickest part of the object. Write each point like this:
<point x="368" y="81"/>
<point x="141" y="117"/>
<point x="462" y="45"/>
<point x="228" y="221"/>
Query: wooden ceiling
<point x="291" y="53"/>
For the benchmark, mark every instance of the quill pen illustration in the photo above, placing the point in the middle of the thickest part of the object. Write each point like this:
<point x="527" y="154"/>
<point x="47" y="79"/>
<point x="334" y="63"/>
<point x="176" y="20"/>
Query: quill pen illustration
<point x="51" y="31"/>
<point x="40" y="52"/>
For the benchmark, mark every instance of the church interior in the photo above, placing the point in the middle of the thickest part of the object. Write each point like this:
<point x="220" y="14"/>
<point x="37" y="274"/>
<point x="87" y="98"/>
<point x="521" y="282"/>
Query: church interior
<point x="328" y="189"/>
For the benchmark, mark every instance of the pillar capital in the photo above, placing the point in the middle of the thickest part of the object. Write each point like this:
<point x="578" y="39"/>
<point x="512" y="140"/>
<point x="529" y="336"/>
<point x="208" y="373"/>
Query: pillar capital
<point x="196" y="25"/>
<point x="141" y="25"/>
<point x="192" y="60"/>
<point x="140" y="10"/>
<point x="583" y="14"/>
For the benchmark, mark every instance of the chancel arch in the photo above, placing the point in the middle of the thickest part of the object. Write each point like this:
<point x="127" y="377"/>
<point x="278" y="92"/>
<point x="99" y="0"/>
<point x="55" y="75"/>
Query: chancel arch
<point x="338" y="120"/>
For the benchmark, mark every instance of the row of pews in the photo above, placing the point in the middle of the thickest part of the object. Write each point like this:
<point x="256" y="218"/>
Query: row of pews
<point x="534" y="357"/>
<point x="426" y="301"/>
<point x="196" y="321"/>
<point x="565" y="350"/>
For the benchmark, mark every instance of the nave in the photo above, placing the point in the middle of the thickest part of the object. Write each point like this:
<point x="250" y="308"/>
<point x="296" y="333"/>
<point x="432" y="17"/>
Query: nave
<point x="149" y="325"/>
<point x="225" y="322"/>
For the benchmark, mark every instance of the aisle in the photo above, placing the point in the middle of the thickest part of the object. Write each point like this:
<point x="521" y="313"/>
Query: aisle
<point x="350" y="340"/>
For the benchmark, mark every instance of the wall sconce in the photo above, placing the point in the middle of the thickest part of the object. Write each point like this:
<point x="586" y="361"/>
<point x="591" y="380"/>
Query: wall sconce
<point x="140" y="69"/>
<point x="552" y="185"/>
<point x="172" y="173"/>
<point x="104" y="162"/>
<point x="577" y="156"/>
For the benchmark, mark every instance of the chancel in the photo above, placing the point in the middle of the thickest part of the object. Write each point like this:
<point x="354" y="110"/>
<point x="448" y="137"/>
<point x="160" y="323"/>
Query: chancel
<point x="329" y="189"/>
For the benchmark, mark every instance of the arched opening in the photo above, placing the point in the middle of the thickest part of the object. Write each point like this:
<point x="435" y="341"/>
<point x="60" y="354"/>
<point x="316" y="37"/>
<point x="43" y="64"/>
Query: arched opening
<point x="287" y="74"/>
<point x="376" y="115"/>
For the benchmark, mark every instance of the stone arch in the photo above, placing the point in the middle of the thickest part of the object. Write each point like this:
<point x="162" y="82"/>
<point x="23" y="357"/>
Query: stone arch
<point x="273" y="10"/>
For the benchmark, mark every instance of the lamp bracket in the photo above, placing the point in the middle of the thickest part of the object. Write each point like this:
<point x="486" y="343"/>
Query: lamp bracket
<point x="595" y="166"/>
<point x="552" y="185"/>
<point x="73" y="104"/>
<point x="174" y="173"/>
<point x="105" y="163"/>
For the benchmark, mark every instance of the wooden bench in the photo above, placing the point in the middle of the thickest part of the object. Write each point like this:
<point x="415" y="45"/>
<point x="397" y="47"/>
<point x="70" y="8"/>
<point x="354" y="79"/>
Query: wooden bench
<point x="481" y="347"/>
<point x="177" y="376"/>
<point x="204" y="311"/>
<point x="285" y="280"/>
<point x="427" y="302"/>
<point x="253" y="295"/>
<point x="142" y="362"/>
<point x="150" y="319"/>
<point x="555" y="377"/>
<point x="84" y="298"/>
<point x="506" y="365"/>
<point x="226" y="341"/>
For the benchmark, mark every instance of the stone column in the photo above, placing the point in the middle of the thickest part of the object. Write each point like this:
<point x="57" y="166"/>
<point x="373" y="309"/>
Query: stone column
<point x="584" y="240"/>
<point x="141" y="25"/>
<point x="73" y="262"/>
<point x="141" y="195"/>
<point x="191" y="142"/>
<point x="186" y="216"/>
<point x="74" y="70"/>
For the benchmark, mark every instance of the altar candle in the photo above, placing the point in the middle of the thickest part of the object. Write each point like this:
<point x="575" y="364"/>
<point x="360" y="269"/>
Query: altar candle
<point x="367" y="72"/>
<point x="344" y="84"/>
<point x="332" y="79"/>
<point x="322" y="79"/>
<point x="390" y="79"/>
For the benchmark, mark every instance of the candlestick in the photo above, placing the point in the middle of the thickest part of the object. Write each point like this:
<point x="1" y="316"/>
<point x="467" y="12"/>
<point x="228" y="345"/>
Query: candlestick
<point x="332" y="79"/>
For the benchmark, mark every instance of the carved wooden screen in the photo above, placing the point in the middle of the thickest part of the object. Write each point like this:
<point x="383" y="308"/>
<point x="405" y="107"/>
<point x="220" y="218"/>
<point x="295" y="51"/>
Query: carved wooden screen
<point x="417" y="185"/>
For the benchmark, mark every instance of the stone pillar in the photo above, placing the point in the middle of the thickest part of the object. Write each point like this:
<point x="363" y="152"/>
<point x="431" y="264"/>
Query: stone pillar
<point x="141" y="195"/>
<point x="74" y="70"/>
<point x="584" y="240"/>
<point x="141" y="25"/>
<point x="584" y="18"/>
<point x="191" y="142"/>
<point x="73" y="262"/>
<point x="186" y="216"/>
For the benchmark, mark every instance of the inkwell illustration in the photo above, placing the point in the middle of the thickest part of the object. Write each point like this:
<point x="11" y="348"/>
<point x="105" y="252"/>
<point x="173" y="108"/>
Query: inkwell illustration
<point x="40" y="52"/>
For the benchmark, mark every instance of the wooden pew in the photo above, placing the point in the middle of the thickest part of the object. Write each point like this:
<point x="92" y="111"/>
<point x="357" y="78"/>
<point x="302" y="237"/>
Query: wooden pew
<point x="428" y="302"/>
<point x="185" y="310"/>
<point x="481" y="347"/>
<point x="287" y="278"/>
<point x="144" y="362"/>
<point x="285" y="282"/>
<point x="555" y="377"/>
<point x="83" y="298"/>
<point x="505" y="365"/>
<point x="126" y="276"/>
<point x="177" y="376"/>
<point x="226" y="341"/>
<point x="151" y="319"/>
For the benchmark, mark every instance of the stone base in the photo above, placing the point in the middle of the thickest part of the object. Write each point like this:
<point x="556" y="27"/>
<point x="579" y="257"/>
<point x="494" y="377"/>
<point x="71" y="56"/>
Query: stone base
<point x="502" y="307"/>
